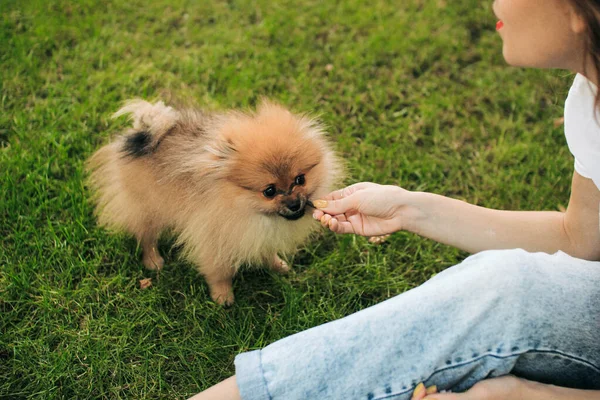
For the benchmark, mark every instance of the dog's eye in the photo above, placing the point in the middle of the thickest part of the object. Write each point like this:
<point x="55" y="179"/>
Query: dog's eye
<point x="270" y="192"/>
<point x="300" y="180"/>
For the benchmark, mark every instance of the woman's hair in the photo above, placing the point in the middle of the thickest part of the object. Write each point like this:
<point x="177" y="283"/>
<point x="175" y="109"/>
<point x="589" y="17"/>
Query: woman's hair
<point x="590" y="11"/>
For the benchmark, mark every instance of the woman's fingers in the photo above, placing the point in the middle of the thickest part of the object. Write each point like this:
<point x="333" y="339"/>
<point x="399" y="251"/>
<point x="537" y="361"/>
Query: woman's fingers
<point x="318" y="214"/>
<point x="325" y="220"/>
<point x="347" y="191"/>
<point x="340" y="226"/>
<point x="450" y="396"/>
<point x="338" y="194"/>
<point x="334" y="207"/>
<point x="336" y="225"/>
<point x="422" y="393"/>
<point x="341" y="217"/>
<point x="333" y="225"/>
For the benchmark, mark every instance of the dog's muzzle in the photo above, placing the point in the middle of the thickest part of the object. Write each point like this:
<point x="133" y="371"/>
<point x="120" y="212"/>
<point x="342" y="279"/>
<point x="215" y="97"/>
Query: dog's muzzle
<point x="294" y="209"/>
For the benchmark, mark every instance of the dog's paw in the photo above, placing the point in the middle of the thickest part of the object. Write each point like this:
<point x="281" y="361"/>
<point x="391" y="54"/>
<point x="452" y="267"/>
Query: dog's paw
<point x="280" y="266"/>
<point x="222" y="298"/>
<point x="153" y="261"/>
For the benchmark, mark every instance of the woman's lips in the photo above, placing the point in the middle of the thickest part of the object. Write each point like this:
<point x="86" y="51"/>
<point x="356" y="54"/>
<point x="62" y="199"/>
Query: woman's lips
<point x="499" y="25"/>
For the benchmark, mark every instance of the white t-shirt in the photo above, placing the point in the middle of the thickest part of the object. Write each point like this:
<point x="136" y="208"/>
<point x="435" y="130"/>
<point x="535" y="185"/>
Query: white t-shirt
<point x="582" y="128"/>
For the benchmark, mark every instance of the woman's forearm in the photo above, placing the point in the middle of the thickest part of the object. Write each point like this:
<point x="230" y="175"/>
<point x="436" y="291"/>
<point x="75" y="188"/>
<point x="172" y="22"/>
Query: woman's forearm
<point x="473" y="228"/>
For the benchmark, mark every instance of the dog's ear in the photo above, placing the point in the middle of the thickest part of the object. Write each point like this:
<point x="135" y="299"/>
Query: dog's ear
<point x="268" y="107"/>
<point x="221" y="149"/>
<point x="310" y="125"/>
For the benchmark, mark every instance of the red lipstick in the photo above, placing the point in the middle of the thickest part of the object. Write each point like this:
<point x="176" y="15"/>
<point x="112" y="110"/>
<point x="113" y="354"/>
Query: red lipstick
<point x="499" y="25"/>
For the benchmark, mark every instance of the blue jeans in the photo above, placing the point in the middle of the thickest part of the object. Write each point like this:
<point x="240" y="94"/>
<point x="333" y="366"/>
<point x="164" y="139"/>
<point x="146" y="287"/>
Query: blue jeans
<point x="533" y="315"/>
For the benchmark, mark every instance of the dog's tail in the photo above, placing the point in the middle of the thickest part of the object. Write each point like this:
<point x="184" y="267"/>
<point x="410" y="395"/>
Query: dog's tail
<point x="119" y="186"/>
<point x="151" y="122"/>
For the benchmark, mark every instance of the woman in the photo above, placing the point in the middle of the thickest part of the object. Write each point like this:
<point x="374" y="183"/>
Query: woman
<point x="503" y="324"/>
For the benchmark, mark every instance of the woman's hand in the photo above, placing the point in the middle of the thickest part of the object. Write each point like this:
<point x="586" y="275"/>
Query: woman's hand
<point x="365" y="208"/>
<point x="502" y="388"/>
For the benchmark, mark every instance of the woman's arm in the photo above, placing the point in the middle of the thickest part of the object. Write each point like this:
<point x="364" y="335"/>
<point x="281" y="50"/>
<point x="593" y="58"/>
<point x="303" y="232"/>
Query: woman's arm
<point x="370" y="209"/>
<point x="473" y="228"/>
<point x="509" y="387"/>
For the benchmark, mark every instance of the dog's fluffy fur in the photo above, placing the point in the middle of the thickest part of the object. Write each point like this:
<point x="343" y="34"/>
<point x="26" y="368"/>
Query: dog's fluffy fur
<point x="209" y="177"/>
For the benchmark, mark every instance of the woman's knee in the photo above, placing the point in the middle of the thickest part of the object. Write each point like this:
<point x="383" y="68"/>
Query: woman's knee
<point x="511" y="266"/>
<point x="537" y="287"/>
<point x="504" y="271"/>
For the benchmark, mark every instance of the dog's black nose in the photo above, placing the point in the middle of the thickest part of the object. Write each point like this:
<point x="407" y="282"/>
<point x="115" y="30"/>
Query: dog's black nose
<point x="294" y="205"/>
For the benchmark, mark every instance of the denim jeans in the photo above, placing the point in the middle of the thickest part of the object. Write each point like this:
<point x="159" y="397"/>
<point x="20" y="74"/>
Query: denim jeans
<point x="533" y="315"/>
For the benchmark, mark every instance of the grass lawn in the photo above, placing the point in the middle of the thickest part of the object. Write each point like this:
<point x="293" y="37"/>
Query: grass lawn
<point x="413" y="92"/>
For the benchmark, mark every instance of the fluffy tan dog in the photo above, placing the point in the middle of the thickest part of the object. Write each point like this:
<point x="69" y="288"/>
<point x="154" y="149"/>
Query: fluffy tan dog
<point x="233" y="186"/>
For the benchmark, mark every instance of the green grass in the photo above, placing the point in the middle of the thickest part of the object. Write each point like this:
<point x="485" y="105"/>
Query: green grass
<point x="419" y="95"/>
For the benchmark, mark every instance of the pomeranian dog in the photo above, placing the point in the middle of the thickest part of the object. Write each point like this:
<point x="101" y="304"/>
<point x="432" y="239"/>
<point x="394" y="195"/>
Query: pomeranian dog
<point x="233" y="186"/>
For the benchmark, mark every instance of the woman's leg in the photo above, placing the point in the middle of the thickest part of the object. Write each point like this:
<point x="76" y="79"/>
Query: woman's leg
<point x="533" y="315"/>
